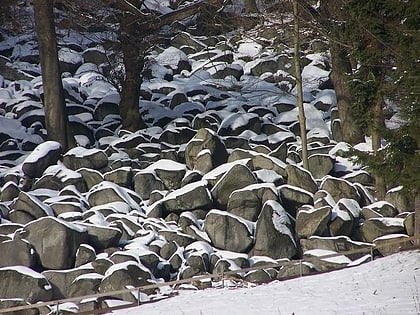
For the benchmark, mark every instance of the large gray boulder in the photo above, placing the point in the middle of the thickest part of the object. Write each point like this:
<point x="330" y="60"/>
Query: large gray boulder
<point x="237" y="177"/>
<point x="208" y="142"/>
<point x="236" y="123"/>
<point x="85" y="284"/>
<point x="122" y="275"/>
<point x="293" y="197"/>
<point x="61" y="280"/>
<point x="300" y="177"/>
<point x="43" y="156"/>
<point x="32" y="205"/>
<point x="17" y="252"/>
<point x="169" y="172"/>
<point x="101" y="237"/>
<point x="312" y="221"/>
<point x="192" y="196"/>
<point x="273" y="233"/>
<point x="107" y="192"/>
<point x="345" y="217"/>
<point x="22" y="282"/>
<point x="80" y="157"/>
<point x="248" y="201"/>
<point x="228" y="231"/>
<point x="339" y="188"/>
<point x="57" y="177"/>
<point x="320" y="165"/>
<point x="145" y="182"/>
<point x="55" y="241"/>
<point x="377" y="227"/>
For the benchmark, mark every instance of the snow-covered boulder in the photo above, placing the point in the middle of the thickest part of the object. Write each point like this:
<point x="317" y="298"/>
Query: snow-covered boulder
<point x="236" y="123"/>
<point x="62" y="279"/>
<point x="344" y="217"/>
<point x="293" y="197"/>
<point x="44" y="155"/>
<point x="85" y="284"/>
<point x="300" y="177"/>
<point x="248" y="201"/>
<point x="274" y="235"/>
<point x="31" y="205"/>
<point x="207" y="142"/>
<point x="192" y="196"/>
<point x="23" y="282"/>
<point x="101" y="237"/>
<point x="229" y="232"/>
<point x="80" y="157"/>
<point x="85" y="254"/>
<point x="55" y="241"/>
<point x="123" y="275"/>
<point x="320" y="165"/>
<point x="339" y="188"/>
<point x="19" y="252"/>
<point x="237" y="177"/>
<point x="376" y="227"/>
<point x="312" y="221"/>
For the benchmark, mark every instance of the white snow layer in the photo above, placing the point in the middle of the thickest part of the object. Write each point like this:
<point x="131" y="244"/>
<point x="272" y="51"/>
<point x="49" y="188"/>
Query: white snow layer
<point x="385" y="286"/>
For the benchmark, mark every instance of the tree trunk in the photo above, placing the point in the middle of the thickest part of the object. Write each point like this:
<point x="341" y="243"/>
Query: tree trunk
<point x="56" y="120"/>
<point x="341" y="67"/>
<point x="302" y="118"/>
<point x="417" y="218"/>
<point x="133" y="56"/>
<point x="377" y="125"/>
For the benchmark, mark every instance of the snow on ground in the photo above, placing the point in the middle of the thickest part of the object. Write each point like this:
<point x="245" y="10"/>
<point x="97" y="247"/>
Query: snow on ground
<point x="389" y="285"/>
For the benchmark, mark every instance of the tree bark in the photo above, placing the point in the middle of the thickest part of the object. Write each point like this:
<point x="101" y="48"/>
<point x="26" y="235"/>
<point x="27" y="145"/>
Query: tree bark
<point x="133" y="56"/>
<point x="56" y="120"/>
<point x="299" y="94"/>
<point x="341" y="67"/>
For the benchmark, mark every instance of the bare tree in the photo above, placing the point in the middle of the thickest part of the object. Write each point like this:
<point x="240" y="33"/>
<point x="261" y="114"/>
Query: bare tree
<point x="55" y="107"/>
<point x="299" y="93"/>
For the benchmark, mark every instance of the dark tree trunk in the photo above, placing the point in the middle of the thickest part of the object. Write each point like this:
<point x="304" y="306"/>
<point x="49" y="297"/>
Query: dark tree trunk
<point x="55" y="107"/>
<point x="341" y="67"/>
<point x="133" y="54"/>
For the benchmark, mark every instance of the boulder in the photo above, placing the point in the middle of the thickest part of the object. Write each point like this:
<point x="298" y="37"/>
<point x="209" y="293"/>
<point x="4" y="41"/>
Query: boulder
<point x="178" y="237"/>
<point x="61" y="280"/>
<point x="320" y="165"/>
<point x="123" y="275"/>
<point x="376" y="227"/>
<point x="22" y="282"/>
<point x="205" y="141"/>
<point x="273" y="233"/>
<point x="409" y="223"/>
<point x="192" y="196"/>
<point x="229" y="232"/>
<point x="90" y="176"/>
<point x="300" y="177"/>
<point x="80" y="157"/>
<point x="236" y="123"/>
<point x="9" y="191"/>
<point x="123" y="176"/>
<point x="169" y="172"/>
<point x="145" y="182"/>
<point x="248" y="201"/>
<point x="43" y="156"/>
<point x="392" y="243"/>
<point x="327" y="263"/>
<point x="101" y="237"/>
<point x="32" y="205"/>
<point x="312" y="221"/>
<point x="107" y="192"/>
<point x="294" y="270"/>
<point x="18" y="252"/>
<point x="344" y="218"/>
<point x="293" y="197"/>
<point x="55" y="241"/>
<point x="237" y="177"/>
<point x="383" y="208"/>
<point x="85" y="254"/>
<point x="57" y="177"/>
<point x="339" y="188"/>
<point x="263" y="161"/>
<point x="85" y="284"/>
<point x="401" y="201"/>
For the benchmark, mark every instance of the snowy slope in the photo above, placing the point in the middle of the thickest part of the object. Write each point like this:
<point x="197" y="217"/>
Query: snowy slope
<point x="389" y="285"/>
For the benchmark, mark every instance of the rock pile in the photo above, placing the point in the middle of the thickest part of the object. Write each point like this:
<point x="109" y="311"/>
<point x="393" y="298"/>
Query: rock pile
<point x="213" y="184"/>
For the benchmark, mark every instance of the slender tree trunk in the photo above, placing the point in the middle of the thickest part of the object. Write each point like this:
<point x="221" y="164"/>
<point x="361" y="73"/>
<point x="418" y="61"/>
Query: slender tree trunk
<point x="133" y="55"/>
<point x="341" y="67"/>
<point x="302" y="118"/>
<point x="56" y="120"/>
<point x="377" y="125"/>
<point x="417" y="218"/>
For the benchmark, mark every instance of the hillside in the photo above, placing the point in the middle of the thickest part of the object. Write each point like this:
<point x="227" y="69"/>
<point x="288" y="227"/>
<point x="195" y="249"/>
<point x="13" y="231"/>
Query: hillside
<point x="214" y="183"/>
